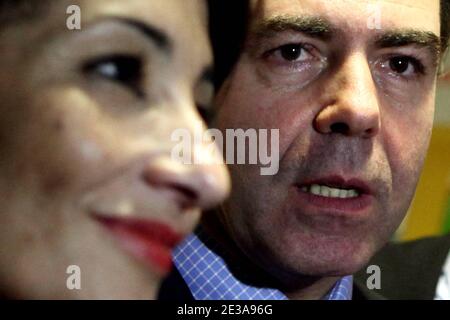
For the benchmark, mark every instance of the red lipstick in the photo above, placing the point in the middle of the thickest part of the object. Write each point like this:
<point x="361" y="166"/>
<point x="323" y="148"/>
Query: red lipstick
<point x="149" y="241"/>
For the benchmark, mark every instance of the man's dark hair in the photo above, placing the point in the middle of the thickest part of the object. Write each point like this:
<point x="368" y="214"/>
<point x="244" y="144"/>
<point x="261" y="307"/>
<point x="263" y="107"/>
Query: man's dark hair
<point x="445" y="23"/>
<point x="14" y="11"/>
<point x="227" y="27"/>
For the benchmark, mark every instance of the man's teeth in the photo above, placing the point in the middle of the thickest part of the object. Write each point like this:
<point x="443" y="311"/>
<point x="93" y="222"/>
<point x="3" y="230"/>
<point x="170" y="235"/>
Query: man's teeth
<point x="328" y="192"/>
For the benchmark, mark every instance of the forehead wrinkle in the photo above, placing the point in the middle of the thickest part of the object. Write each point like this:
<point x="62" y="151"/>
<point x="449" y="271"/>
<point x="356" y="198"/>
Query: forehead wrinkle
<point x="340" y="8"/>
<point x="371" y="2"/>
<point x="321" y="26"/>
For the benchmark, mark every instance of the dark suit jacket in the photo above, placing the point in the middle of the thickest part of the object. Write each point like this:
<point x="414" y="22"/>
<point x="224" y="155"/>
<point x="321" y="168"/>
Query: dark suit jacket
<point x="410" y="270"/>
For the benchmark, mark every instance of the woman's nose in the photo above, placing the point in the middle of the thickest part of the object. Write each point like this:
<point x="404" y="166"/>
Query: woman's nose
<point x="203" y="184"/>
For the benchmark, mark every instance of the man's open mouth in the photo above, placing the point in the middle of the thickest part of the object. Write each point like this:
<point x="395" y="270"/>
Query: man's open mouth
<point x="331" y="192"/>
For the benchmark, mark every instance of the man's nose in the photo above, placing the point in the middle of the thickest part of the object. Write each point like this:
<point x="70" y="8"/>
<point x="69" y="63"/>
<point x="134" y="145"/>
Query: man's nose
<point x="352" y="106"/>
<point x="198" y="184"/>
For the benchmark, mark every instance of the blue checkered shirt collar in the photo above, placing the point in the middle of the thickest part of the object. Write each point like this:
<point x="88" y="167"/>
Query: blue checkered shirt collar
<point x="209" y="278"/>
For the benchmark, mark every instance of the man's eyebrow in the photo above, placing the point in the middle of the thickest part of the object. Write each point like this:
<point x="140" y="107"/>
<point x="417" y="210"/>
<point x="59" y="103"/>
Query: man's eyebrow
<point x="157" y="36"/>
<point x="400" y="38"/>
<point x="315" y="27"/>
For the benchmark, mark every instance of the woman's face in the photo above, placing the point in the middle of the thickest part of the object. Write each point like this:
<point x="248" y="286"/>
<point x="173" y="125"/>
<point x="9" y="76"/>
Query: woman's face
<point x="86" y="174"/>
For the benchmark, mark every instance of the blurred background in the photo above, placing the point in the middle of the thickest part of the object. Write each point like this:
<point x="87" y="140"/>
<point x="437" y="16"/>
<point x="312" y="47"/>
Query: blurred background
<point x="430" y="212"/>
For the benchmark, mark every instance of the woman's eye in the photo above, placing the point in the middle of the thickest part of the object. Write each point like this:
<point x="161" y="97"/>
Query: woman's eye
<point x="126" y="70"/>
<point x="405" y="66"/>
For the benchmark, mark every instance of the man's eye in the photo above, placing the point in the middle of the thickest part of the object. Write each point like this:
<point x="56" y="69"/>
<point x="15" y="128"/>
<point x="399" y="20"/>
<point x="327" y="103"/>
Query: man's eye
<point x="126" y="70"/>
<point x="292" y="53"/>
<point x="405" y="66"/>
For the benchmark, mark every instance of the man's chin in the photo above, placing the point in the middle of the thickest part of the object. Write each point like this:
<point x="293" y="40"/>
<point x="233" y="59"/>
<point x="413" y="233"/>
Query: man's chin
<point x="325" y="261"/>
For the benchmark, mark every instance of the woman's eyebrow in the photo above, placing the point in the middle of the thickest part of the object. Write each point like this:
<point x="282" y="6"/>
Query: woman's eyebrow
<point x="154" y="34"/>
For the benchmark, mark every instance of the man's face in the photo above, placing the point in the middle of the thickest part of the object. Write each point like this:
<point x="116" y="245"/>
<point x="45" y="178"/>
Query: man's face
<point x="351" y="86"/>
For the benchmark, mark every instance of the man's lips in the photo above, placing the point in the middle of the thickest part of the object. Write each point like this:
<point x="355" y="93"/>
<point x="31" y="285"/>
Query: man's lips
<point x="149" y="241"/>
<point x="334" y="195"/>
<point x="339" y="182"/>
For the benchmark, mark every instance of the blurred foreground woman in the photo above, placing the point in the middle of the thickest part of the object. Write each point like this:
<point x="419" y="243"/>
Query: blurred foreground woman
<point x="88" y="186"/>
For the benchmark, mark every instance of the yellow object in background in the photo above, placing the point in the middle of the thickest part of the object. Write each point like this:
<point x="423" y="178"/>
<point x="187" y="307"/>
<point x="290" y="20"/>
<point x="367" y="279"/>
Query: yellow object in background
<point x="428" y="215"/>
<point x="428" y="212"/>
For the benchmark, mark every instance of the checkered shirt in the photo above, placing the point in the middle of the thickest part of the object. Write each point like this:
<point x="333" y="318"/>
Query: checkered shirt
<point x="209" y="278"/>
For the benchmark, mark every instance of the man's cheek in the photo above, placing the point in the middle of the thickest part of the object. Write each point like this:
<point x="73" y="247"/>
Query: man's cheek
<point x="406" y="143"/>
<point x="406" y="173"/>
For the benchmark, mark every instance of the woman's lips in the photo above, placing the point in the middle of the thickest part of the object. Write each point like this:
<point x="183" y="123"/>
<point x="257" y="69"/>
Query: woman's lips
<point x="149" y="241"/>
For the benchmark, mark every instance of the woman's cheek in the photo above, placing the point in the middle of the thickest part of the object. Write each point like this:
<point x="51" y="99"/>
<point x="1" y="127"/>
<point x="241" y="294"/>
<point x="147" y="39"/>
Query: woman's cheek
<point x="73" y="148"/>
